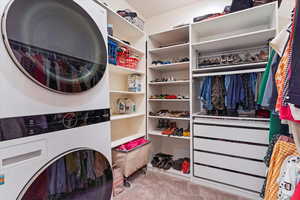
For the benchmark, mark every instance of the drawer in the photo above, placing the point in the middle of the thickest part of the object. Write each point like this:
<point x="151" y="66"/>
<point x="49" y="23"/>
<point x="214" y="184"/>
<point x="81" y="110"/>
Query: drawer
<point x="231" y="122"/>
<point x="234" y="179"/>
<point x="236" y="164"/>
<point x="232" y="133"/>
<point x="231" y="148"/>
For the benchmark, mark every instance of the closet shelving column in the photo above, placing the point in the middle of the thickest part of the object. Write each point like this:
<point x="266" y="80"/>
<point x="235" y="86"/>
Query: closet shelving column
<point x="127" y="127"/>
<point x="228" y="151"/>
<point x="173" y="46"/>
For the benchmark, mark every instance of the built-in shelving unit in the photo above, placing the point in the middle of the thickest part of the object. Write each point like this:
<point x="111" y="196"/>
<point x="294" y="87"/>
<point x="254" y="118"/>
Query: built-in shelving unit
<point x="171" y="47"/>
<point x="126" y="127"/>
<point x="217" y="140"/>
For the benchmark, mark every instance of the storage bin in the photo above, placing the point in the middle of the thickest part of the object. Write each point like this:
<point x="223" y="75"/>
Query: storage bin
<point x="133" y="160"/>
<point x="112" y="52"/>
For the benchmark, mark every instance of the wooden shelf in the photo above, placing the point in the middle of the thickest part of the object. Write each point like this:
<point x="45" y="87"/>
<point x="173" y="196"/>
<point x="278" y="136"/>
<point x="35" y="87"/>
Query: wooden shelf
<point x="123" y="70"/>
<point x="127" y="139"/>
<point x="158" y="133"/>
<point x="171" y="118"/>
<point x="231" y="67"/>
<point x="126" y="92"/>
<point x="170" y="100"/>
<point x="180" y="48"/>
<point x="229" y="72"/>
<point x="126" y="116"/>
<point x="169" y="83"/>
<point x="173" y="66"/>
<point x="131" y="48"/>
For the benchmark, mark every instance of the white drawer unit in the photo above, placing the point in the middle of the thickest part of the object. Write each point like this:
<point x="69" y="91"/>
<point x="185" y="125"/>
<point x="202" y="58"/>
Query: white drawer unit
<point x="230" y="153"/>
<point x="237" y="180"/>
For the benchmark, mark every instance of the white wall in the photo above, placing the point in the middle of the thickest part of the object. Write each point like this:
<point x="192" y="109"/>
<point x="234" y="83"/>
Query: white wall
<point x="184" y="15"/>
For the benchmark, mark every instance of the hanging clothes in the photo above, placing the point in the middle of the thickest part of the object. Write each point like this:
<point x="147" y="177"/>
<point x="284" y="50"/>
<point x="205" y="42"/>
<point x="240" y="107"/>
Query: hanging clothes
<point x="265" y="78"/>
<point x="206" y="93"/>
<point x="276" y="127"/>
<point x="218" y="93"/>
<point x="289" y="177"/>
<point x="271" y="91"/>
<point x="294" y="87"/>
<point x="296" y="195"/>
<point x="281" y="151"/>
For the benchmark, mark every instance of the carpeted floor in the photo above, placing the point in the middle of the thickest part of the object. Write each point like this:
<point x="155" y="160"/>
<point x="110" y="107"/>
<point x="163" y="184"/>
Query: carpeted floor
<point x="157" y="186"/>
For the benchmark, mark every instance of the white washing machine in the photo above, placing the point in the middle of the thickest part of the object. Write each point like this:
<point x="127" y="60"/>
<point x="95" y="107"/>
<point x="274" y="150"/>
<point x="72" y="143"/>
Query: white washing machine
<point x="54" y="107"/>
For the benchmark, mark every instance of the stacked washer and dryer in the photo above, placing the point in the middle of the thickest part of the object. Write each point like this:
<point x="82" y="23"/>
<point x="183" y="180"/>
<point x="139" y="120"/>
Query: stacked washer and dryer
<point x="54" y="106"/>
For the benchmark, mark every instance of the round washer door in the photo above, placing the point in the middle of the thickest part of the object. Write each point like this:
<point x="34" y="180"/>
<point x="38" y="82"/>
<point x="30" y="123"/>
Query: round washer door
<point x="82" y="174"/>
<point x="55" y="43"/>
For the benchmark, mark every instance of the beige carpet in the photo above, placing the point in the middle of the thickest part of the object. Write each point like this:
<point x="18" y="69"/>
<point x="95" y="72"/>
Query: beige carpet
<point x="157" y="186"/>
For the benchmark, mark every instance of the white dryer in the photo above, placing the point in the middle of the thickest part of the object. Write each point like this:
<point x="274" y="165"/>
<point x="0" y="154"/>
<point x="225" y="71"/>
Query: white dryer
<point x="54" y="107"/>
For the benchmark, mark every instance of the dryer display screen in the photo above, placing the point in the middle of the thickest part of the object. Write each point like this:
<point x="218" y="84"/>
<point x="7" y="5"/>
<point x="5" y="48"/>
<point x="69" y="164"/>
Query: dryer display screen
<point x="55" y="43"/>
<point x="80" y="175"/>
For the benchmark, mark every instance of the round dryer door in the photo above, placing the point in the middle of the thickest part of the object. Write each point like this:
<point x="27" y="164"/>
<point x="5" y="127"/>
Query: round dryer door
<point x="84" y="175"/>
<point x="56" y="43"/>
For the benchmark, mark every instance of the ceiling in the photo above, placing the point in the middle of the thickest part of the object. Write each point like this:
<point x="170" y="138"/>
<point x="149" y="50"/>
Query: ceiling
<point x="150" y="8"/>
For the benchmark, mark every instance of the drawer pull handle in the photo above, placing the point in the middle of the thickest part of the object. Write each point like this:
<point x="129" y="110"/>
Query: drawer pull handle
<point x="21" y="158"/>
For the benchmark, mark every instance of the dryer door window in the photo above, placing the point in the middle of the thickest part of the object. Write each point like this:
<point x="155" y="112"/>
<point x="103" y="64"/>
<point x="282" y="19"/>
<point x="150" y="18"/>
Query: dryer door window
<point x="84" y="175"/>
<point x="56" y="43"/>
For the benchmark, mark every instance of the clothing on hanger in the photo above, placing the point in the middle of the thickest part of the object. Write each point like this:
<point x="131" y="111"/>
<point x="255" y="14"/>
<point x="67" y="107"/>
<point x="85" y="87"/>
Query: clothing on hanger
<point x="289" y="177"/>
<point x="281" y="151"/>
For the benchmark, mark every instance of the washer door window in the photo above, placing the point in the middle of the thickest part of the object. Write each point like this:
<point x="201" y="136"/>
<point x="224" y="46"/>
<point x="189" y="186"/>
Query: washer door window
<point x="84" y="175"/>
<point x="56" y="43"/>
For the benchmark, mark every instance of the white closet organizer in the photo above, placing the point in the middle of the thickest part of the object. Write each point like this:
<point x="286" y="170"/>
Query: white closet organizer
<point x="127" y="127"/>
<point x="172" y="45"/>
<point x="228" y="152"/>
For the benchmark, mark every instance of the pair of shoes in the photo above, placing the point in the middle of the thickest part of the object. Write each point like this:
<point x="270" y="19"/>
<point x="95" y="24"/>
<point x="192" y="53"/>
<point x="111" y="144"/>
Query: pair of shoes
<point x="170" y="131"/>
<point x="178" y="132"/>
<point x="182" y="164"/>
<point x="186" y="59"/>
<point x="162" y="161"/>
<point x="187" y="132"/>
<point x="163" y="124"/>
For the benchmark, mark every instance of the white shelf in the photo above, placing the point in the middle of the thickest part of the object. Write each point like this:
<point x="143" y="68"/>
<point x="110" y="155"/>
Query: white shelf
<point x="171" y="118"/>
<point x="173" y="66"/>
<point x="169" y="36"/>
<point x="122" y="24"/>
<point x="231" y="67"/>
<point x="127" y="139"/>
<point x="231" y="118"/>
<point x="126" y="116"/>
<point x="171" y="172"/>
<point x="244" y="40"/>
<point x="126" y="92"/>
<point x="169" y="83"/>
<point x="158" y="133"/>
<point x="180" y="48"/>
<point x="131" y="48"/>
<point x="244" y="21"/>
<point x="170" y="100"/>
<point x="229" y="72"/>
<point x="123" y="70"/>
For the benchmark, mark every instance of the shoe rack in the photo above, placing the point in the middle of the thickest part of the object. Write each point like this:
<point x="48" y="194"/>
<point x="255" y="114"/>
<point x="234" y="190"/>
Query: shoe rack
<point x="127" y="127"/>
<point x="168" y="78"/>
<point x="227" y="150"/>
